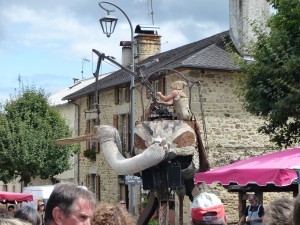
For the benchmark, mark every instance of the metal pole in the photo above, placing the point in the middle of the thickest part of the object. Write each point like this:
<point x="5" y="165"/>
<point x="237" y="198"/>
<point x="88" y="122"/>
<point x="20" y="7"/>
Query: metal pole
<point x="131" y="203"/>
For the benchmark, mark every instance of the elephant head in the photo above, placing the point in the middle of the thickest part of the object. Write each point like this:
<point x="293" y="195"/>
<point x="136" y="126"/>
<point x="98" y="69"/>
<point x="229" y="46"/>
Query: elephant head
<point x="155" y="141"/>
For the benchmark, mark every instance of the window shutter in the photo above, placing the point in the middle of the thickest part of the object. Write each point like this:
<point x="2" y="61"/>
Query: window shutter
<point x="88" y="130"/>
<point x="116" y="95"/>
<point x="98" y="189"/>
<point x="116" y="121"/>
<point x="127" y="94"/>
<point x="162" y="85"/>
<point x="127" y="131"/>
<point x="87" y="181"/>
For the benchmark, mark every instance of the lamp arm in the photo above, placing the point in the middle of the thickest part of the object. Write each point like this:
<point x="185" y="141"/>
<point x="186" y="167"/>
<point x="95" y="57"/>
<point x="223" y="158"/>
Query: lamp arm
<point x="102" y="56"/>
<point x="107" y="10"/>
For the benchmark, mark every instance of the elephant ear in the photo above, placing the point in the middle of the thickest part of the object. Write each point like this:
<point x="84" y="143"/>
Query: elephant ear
<point x="180" y="135"/>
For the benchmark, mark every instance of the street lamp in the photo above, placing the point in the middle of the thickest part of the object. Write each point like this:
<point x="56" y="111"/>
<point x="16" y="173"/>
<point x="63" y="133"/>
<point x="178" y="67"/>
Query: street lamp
<point x="108" y="25"/>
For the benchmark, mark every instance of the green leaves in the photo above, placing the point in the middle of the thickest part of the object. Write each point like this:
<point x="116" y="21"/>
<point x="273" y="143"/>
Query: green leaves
<point x="270" y="86"/>
<point x="28" y="130"/>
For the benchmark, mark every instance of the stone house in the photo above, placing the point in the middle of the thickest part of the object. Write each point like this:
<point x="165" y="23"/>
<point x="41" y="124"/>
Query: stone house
<point x="229" y="132"/>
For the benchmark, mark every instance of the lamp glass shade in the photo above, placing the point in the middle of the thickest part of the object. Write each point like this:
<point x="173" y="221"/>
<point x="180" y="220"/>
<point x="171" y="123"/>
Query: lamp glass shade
<point x="108" y="24"/>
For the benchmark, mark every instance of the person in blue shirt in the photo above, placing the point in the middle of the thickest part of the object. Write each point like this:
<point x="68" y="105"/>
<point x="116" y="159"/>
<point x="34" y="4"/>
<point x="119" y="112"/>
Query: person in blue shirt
<point x="253" y="213"/>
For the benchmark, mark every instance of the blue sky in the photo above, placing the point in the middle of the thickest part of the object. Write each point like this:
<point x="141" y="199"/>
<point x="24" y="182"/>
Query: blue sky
<point x="44" y="42"/>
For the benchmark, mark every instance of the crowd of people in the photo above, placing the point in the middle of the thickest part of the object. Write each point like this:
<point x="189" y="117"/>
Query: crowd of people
<point x="207" y="209"/>
<point x="68" y="204"/>
<point x="74" y="205"/>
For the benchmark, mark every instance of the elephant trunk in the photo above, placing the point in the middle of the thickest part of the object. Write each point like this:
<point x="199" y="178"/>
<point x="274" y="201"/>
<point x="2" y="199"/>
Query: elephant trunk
<point x="109" y="139"/>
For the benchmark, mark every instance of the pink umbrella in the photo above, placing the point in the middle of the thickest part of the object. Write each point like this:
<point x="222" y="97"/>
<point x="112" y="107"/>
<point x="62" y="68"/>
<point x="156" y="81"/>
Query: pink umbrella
<point x="262" y="170"/>
<point x="13" y="197"/>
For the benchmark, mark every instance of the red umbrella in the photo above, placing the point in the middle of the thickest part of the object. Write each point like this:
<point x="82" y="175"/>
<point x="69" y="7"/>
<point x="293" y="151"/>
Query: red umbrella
<point x="13" y="197"/>
<point x="262" y="170"/>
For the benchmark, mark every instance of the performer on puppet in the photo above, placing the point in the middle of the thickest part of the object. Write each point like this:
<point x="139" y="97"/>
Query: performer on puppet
<point x="178" y="99"/>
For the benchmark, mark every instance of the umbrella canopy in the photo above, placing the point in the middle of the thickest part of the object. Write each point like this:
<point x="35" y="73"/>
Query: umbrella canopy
<point x="12" y="197"/>
<point x="261" y="170"/>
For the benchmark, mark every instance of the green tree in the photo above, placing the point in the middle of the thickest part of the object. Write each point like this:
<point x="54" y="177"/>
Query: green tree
<point x="29" y="127"/>
<point x="270" y="85"/>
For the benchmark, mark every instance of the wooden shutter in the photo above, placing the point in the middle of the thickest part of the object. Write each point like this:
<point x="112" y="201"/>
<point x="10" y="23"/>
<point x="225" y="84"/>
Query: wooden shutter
<point x="87" y="181"/>
<point x="162" y="88"/>
<point x="116" y="121"/>
<point x="88" y="130"/>
<point x="116" y="95"/>
<point x="128" y="131"/>
<point x="98" y="188"/>
<point x="127" y="94"/>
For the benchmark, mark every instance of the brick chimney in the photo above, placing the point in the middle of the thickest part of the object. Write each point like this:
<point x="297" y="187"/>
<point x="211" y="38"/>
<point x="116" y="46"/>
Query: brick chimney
<point x="241" y="14"/>
<point x="146" y="42"/>
<point x="126" y="53"/>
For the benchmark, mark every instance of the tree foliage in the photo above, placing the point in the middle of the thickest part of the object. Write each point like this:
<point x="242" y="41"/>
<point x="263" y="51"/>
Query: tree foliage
<point x="270" y="86"/>
<point x="29" y="127"/>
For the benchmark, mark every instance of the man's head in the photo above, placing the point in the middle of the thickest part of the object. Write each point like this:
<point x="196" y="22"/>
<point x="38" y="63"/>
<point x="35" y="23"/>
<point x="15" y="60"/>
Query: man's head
<point x="253" y="200"/>
<point x="279" y="211"/>
<point x="11" y="210"/>
<point x="122" y="204"/>
<point x="41" y="206"/>
<point x="69" y="204"/>
<point x="178" y="85"/>
<point x="28" y="214"/>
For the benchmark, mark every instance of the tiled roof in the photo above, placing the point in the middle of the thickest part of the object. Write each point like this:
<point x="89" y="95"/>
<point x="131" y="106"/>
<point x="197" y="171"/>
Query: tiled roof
<point x="208" y="53"/>
<point x="56" y="99"/>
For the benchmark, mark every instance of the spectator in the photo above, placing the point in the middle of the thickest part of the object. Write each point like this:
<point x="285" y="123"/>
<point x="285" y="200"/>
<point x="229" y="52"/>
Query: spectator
<point x="28" y="214"/>
<point x="69" y="204"/>
<point x="296" y="213"/>
<point x="4" y="214"/>
<point x="122" y="204"/>
<point x="12" y="222"/>
<point x="41" y="210"/>
<point x="11" y="210"/>
<point x="207" y="209"/>
<point x="253" y="212"/>
<point x="107" y="214"/>
<point x="279" y="211"/>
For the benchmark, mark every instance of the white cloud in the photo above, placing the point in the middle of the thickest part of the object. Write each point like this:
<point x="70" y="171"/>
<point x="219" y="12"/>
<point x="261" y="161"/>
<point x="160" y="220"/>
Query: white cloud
<point x="51" y="37"/>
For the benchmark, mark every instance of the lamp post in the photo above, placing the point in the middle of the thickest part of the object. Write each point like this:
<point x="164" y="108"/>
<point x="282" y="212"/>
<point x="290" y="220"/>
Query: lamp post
<point x="108" y="25"/>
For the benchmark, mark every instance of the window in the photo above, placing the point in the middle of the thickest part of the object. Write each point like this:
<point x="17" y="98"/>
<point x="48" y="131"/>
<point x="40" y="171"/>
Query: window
<point x="91" y="102"/>
<point x="157" y="85"/>
<point x="93" y="183"/>
<point x="122" y="95"/>
<point x="90" y="124"/>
